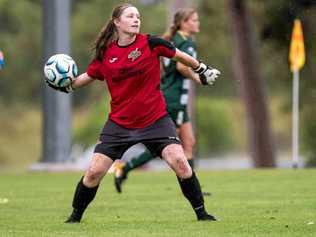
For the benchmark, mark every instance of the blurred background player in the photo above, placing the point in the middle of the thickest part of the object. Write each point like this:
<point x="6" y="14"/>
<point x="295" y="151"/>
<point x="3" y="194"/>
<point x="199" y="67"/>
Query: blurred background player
<point x="1" y="60"/>
<point x="175" y="85"/>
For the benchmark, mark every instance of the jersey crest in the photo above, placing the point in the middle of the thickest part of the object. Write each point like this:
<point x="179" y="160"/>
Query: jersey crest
<point x="134" y="54"/>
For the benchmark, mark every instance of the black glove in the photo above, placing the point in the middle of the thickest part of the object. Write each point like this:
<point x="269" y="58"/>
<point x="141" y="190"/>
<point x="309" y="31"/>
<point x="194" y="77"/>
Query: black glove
<point x="207" y="74"/>
<point x="65" y="89"/>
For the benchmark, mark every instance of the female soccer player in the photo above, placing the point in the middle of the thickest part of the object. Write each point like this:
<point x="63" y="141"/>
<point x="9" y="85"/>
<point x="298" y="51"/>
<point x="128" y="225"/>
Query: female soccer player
<point x="1" y="60"/>
<point x="175" y="84"/>
<point x="129" y="63"/>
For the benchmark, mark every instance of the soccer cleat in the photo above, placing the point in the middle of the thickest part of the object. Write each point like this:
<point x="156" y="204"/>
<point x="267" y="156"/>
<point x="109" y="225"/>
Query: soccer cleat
<point x="120" y="176"/>
<point x="72" y="220"/>
<point x="75" y="217"/>
<point x="206" y="217"/>
<point x="206" y="194"/>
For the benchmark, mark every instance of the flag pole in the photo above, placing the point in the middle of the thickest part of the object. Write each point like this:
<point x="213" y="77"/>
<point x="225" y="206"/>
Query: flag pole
<point x="295" y="120"/>
<point x="297" y="61"/>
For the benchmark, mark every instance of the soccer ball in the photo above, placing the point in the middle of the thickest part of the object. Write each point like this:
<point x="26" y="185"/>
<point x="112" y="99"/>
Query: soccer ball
<point x="60" y="70"/>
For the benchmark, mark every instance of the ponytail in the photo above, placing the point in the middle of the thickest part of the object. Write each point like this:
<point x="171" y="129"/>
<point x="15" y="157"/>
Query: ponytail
<point x="108" y="33"/>
<point x="105" y="37"/>
<point x="171" y="32"/>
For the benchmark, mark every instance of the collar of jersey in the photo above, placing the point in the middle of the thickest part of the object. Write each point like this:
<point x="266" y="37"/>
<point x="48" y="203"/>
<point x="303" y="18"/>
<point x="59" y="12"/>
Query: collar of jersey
<point x="125" y="46"/>
<point x="183" y="34"/>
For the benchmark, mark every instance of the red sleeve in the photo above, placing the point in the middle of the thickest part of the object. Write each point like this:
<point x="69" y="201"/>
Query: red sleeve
<point x="94" y="70"/>
<point x="161" y="47"/>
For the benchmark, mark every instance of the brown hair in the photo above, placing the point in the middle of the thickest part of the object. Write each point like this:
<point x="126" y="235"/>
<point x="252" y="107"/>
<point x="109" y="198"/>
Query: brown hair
<point x="108" y="32"/>
<point x="183" y="14"/>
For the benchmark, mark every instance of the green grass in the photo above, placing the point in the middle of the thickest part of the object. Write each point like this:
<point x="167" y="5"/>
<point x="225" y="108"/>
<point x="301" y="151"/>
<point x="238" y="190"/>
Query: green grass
<point x="249" y="203"/>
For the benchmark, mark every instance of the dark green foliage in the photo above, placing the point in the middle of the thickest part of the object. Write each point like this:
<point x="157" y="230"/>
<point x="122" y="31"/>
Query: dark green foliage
<point x="278" y="26"/>
<point x="309" y="136"/>
<point x="20" y="41"/>
<point x="89" y="132"/>
<point x="214" y="132"/>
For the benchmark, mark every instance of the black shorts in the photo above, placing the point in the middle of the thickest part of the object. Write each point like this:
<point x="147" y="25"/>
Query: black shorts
<point x="115" y="139"/>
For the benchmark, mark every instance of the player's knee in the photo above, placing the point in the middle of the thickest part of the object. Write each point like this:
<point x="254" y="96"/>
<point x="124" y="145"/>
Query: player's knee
<point x="183" y="169"/>
<point x="177" y="160"/>
<point x="170" y="152"/>
<point x="94" y="176"/>
<point x="192" y="142"/>
<point x="188" y="144"/>
<point x="188" y="148"/>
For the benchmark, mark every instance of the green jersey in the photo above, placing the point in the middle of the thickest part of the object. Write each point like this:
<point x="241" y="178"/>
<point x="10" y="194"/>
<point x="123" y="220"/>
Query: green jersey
<point x="174" y="85"/>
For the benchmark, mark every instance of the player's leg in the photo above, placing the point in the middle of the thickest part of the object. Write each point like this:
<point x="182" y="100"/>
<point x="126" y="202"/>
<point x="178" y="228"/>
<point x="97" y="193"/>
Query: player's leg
<point x="110" y="147"/>
<point x="187" y="138"/>
<point x="161" y="139"/>
<point x="123" y="168"/>
<point x="138" y="161"/>
<point x="88" y="185"/>
<point x="173" y="154"/>
<point x="179" y="115"/>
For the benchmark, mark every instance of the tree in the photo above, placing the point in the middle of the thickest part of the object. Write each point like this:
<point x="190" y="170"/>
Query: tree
<point x="277" y="30"/>
<point x="246" y="70"/>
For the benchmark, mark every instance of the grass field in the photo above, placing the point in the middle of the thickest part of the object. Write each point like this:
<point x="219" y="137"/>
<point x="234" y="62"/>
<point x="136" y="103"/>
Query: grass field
<point x="249" y="203"/>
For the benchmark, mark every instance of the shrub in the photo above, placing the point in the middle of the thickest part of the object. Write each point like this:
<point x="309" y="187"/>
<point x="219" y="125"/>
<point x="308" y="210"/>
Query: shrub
<point x="214" y="126"/>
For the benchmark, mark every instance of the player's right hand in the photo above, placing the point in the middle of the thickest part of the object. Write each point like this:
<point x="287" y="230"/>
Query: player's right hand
<point x="207" y="74"/>
<point x="66" y="89"/>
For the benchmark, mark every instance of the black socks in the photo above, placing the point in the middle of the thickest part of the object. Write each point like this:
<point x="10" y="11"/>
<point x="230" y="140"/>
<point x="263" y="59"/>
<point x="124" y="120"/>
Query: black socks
<point x="191" y="189"/>
<point x="82" y="197"/>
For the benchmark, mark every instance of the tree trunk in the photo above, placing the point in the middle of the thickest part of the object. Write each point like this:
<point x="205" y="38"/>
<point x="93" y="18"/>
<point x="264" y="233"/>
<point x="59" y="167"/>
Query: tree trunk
<point x="246" y="69"/>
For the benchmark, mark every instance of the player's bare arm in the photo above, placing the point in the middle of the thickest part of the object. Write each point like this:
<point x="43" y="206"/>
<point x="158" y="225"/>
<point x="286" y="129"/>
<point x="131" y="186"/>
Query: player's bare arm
<point x="187" y="72"/>
<point x="82" y="80"/>
<point x="186" y="59"/>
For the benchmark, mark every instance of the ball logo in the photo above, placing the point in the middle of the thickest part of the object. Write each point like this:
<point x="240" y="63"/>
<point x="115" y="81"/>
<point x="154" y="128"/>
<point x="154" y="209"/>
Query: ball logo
<point x="134" y="54"/>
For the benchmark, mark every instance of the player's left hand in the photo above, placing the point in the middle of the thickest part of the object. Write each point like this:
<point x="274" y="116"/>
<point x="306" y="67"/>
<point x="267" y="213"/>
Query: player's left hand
<point x="207" y="74"/>
<point x="66" y="89"/>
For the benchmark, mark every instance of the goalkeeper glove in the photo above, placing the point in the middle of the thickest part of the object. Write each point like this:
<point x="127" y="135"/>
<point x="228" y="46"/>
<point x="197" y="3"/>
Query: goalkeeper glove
<point x="66" y="89"/>
<point x="207" y="74"/>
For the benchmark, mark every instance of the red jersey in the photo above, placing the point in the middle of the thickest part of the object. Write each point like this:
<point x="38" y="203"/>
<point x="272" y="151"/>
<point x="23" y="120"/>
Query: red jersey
<point x="132" y="74"/>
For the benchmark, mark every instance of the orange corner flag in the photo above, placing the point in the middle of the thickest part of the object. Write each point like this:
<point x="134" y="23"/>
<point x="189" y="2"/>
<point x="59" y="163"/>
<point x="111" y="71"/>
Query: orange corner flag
<point x="297" y="50"/>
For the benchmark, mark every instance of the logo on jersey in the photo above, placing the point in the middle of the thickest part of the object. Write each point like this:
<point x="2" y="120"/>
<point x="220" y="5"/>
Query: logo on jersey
<point x="134" y="54"/>
<point x="113" y="59"/>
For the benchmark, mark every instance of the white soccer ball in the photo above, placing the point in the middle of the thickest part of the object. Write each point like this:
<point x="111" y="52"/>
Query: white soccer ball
<point x="60" y="70"/>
